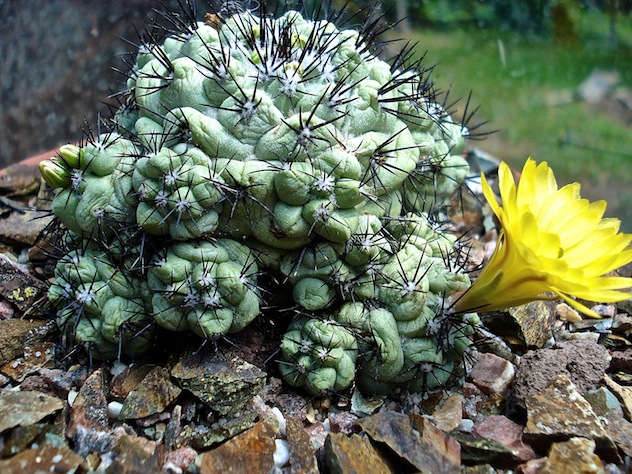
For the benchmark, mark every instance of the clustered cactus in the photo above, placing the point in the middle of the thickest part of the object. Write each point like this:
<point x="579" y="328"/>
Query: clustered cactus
<point x="252" y="144"/>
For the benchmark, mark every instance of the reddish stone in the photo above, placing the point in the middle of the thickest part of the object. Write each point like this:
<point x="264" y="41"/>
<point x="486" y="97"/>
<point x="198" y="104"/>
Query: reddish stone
<point x="509" y="434"/>
<point x="492" y="374"/>
<point x="181" y="458"/>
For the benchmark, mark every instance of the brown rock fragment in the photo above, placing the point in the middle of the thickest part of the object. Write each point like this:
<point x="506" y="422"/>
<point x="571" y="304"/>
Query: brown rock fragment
<point x="621" y="361"/>
<point x="620" y="431"/>
<point x="354" y="453"/>
<point x="90" y="408"/>
<point x="23" y="408"/>
<point x="560" y="411"/>
<point x="24" y="226"/>
<point x="574" y="455"/>
<point x="250" y="452"/>
<point x="123" y="383"/>
<point x="135" y="454"/>
<point x="35" y="357"/>
<point x="445" y="450"/>
<point x="302" y="453"/>
<point x="449" y="416"/>
<point x="426" y="448"/>
<point x="16" y="333"/>
<point x="21" y="438"/>
<point x="45" y="458"/>
<point x="154" y="393"/>
<point x="535" y="320"/>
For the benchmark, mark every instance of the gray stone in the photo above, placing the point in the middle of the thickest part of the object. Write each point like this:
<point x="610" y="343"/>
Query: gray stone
<point x="604" y="402"/>
<point x="584" y="362"/>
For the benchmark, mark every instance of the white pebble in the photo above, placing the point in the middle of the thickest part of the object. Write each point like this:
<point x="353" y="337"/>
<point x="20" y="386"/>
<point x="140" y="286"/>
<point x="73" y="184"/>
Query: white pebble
<point x="327" y="425"/>
<point x="71" y="397"/>
<point x="281" y="419"/>
<point x="466" y="425"/>
<point x="57" y="458"/>
<point x="171" y="468"/>
<point x="282" y="453"/>
<point x="117" y="368"/>
<point x="114" y="409"/>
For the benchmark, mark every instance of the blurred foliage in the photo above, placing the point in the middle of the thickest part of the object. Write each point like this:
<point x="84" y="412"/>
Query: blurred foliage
<point x="527" y="17"/>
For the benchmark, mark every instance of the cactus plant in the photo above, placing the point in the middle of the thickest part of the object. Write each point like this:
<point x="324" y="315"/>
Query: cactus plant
<point x="284" y="145"/>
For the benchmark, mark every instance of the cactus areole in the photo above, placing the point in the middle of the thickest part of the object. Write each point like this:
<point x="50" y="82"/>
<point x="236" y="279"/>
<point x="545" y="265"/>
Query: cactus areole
<point x="282" y="145"/>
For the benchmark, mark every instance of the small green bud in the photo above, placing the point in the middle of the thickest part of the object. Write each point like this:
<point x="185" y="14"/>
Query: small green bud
<point x="55" y="173"/>
<point x="71" y="155"/>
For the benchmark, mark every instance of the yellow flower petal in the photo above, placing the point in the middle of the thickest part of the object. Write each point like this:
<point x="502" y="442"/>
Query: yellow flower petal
<point x="552" y="241"/>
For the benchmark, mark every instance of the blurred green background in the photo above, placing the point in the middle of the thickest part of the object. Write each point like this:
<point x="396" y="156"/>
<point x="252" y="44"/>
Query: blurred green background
<point x="524" y="62"/>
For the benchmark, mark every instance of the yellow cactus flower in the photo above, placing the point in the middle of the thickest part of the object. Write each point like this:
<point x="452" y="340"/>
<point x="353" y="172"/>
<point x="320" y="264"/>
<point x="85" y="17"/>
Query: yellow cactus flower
<point x="552" y="244"/>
